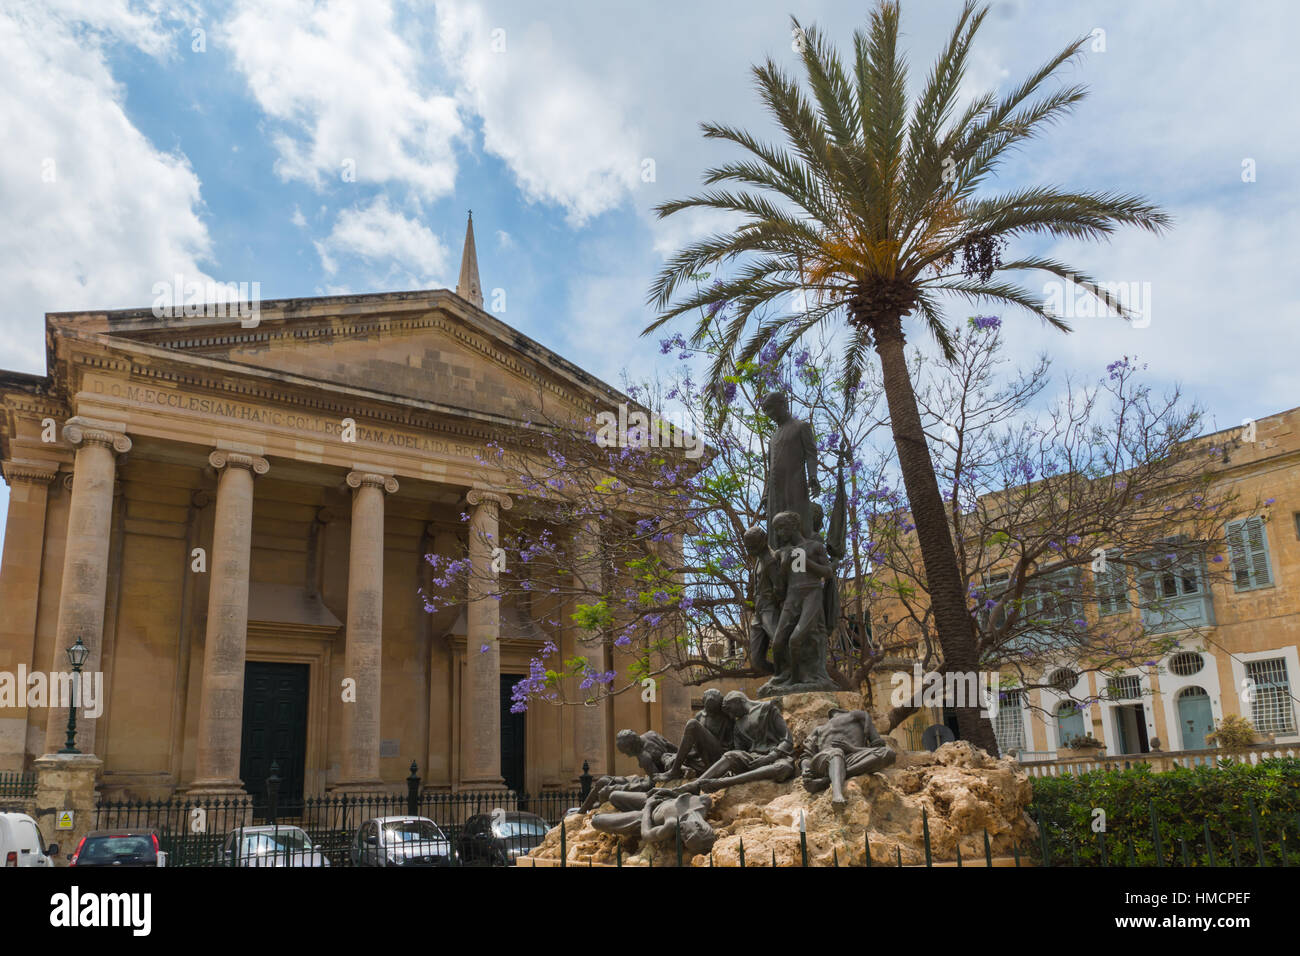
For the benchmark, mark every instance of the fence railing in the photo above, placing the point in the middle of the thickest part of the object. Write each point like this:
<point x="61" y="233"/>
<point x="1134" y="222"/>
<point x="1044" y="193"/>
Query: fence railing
<point x="16" y="789"/>
<point x="1157" y="761"/>
<point x="325" y="830"/>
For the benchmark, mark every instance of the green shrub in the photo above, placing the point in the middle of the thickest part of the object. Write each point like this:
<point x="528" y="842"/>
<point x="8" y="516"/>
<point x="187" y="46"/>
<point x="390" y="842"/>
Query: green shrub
<point x="1185" y="802"/>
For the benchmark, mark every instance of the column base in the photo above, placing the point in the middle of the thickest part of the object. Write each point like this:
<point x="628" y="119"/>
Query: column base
<point x="216" y="789"/>
<point x="361" y="787"/>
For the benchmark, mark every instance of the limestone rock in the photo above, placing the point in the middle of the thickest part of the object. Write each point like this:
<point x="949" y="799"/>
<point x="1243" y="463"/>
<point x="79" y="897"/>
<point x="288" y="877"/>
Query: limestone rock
<point x="963" y="790"/>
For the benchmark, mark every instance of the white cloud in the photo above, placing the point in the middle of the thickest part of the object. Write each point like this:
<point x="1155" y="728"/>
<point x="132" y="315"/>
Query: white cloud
<point x="91" y="213"/>
<point x="557" y="122"/>
<point x="345" y="92"/>
<point x="395" y="249"/>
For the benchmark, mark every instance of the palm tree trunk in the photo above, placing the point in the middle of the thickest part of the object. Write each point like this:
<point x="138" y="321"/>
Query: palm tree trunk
<point x="952" y="619"/>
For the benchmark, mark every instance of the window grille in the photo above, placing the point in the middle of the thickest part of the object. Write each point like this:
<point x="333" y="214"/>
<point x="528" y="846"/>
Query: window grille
<point x="1186" y="664"/>
<point x="1128" y="687"/>
<point x="1271" y="710"/>
<point x="1009" y="725"/>
<point x="1063" y="679"/>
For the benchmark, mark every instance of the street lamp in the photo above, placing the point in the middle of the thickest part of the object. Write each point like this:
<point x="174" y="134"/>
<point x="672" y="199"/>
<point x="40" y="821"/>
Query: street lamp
<point x="77" y="655"/>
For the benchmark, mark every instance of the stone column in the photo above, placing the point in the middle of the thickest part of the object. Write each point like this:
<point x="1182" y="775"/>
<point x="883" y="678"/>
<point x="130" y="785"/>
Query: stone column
<point x="481" y="736"/>
<point x="20" y="588"/>
<point x="592" y="734"/>
<point x="221" y="705"/>
<point x="85" y="563"/>
<point x="364" y="652"/>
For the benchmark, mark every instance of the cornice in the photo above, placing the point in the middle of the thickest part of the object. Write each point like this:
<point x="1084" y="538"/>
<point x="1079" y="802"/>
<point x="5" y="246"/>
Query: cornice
<point x="329" y="329"/>
<point x="305" y="394"/>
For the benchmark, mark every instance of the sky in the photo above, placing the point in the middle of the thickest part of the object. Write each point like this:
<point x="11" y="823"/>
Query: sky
<point x="317" y="148"/>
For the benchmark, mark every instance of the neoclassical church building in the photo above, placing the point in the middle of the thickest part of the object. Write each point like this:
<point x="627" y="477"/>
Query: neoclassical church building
<point x="232" y="516"/>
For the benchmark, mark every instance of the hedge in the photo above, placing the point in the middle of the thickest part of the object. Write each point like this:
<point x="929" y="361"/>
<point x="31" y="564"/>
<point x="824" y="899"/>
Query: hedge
<point x="1235" y="814"/>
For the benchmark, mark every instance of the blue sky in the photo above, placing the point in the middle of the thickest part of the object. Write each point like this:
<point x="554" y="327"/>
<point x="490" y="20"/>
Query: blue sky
<point x="327" y="147"/>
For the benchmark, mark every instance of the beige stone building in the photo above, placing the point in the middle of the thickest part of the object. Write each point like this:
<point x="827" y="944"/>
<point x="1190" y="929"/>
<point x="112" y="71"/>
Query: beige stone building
<point x="1235" y="610"/>
<point x="232" y="514"/>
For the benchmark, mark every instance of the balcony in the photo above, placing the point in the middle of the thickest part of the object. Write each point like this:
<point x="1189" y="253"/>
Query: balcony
<point x="1178" y="613"/>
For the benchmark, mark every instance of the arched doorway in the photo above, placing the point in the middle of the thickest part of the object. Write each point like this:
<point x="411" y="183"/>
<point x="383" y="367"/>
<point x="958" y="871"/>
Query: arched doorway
<point x="1195" y="718"/>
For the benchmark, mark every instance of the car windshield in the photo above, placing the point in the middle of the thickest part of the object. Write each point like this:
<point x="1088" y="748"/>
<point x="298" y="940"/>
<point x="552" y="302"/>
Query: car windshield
<point x="276" y="841"/>
<point x="518" y="828"/>
<point x="109" y="849"/>
<point x="408" y="831"/>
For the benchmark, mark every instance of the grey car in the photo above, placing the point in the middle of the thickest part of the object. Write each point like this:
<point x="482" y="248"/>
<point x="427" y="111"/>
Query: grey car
<point x="401" y="841"/>
<point x="272" y="845"/>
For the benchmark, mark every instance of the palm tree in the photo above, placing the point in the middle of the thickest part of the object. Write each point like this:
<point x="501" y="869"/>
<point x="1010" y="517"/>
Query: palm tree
<point x="871" y="208"/>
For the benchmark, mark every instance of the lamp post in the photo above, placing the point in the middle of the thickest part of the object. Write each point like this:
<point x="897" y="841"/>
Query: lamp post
<point x="77" y="655"/>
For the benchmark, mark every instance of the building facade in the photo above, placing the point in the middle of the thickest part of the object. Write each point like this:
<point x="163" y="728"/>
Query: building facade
<point x="1234" y="615"/>
<point x="232" y="516"/>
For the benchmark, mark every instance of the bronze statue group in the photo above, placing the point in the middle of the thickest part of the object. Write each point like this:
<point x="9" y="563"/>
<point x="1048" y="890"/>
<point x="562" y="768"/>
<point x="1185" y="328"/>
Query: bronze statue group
<point x="734" y="740"/>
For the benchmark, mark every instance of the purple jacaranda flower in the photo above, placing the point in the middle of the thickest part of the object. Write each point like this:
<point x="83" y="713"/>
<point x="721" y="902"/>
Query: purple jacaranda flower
<point x="484" y="648"/>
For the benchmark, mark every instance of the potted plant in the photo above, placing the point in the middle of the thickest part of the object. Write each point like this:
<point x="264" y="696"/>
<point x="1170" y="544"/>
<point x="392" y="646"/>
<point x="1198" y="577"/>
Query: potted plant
<point x="1234" y="735"/>
<point x="1082" y="746"/>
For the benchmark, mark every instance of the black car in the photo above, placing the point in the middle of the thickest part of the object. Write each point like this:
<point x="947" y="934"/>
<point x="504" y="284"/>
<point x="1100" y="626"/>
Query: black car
<point x="116" y="848"/>
<point x="496" y="839"/>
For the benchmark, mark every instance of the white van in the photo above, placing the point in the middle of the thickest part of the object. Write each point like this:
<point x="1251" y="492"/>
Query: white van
<point x="20" y="842"/>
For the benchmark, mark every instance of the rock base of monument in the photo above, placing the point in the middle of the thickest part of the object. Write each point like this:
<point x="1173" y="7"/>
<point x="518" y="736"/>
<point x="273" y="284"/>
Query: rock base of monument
<point x="963" y="792"/>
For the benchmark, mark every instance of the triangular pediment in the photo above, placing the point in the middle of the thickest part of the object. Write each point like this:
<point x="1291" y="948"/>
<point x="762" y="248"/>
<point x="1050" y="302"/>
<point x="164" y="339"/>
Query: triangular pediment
<point x="430" y="347"/>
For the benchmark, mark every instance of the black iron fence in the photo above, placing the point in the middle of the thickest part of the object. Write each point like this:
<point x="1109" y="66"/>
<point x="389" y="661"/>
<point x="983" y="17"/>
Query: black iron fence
<point x="16" y="789"/>
<point x="346" y="829"/>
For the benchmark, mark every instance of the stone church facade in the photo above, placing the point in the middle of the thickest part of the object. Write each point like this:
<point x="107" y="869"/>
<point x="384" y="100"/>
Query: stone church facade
<point x="233" y="515"/>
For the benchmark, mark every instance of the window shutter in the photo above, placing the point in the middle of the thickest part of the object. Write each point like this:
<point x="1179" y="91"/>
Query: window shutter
<point x="1248" y="549"/>
<point x="1257" y="545"/>
<point x="1112" y="588"/>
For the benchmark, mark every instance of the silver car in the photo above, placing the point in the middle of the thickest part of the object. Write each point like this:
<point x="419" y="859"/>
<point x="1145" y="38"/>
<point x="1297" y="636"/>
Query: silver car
<point x="274" y="845"/>
<point x="401" y="841"/>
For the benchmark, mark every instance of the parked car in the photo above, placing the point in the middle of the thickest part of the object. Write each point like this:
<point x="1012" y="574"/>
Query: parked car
<point x="271" y="845"/>
<point x="21" y="843"/>
<point x="401" y="841"/>
<point x="496" y="839"/>
<point x="116" y="848"/>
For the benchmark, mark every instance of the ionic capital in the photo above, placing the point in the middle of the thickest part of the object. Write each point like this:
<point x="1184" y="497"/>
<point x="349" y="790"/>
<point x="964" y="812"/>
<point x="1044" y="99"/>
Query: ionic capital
<point x="477" y="496"/>
<point x="78" y="431"/>
<point x="28" y="471"/>
<point x="232" y="459"/>
<point x="386" y="483"/>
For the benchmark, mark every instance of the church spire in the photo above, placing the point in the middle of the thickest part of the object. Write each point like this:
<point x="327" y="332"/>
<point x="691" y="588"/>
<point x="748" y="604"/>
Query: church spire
<point x="468" y="287"/>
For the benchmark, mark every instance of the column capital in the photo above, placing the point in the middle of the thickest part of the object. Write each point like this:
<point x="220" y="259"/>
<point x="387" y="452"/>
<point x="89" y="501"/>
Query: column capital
<point x="478" y="496"/>
<point x="78" y="431"/>
<point x="357" y="479"/>
<point x="29" y="471"/>
<point x="232" y="459"/>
